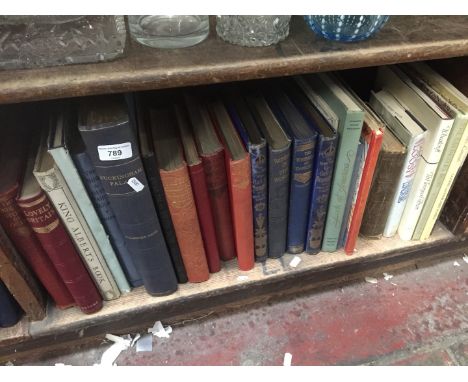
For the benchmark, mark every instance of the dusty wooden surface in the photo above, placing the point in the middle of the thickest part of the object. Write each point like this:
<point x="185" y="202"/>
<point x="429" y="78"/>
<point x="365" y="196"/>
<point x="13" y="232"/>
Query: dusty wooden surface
<point x="403" y="38"/>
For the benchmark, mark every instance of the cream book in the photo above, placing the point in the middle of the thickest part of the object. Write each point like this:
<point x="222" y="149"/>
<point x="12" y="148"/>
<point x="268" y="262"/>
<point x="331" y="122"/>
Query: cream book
<point x="438" y="125"/>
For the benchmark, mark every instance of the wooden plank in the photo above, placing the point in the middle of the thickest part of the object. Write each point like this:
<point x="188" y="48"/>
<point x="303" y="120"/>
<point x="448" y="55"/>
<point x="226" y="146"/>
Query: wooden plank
<point x="403" y="38"/>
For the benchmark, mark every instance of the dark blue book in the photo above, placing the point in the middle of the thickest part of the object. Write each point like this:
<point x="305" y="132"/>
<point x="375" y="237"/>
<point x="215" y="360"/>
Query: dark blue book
<point x="324" y="161"/>
<point x="10" y="312"/>
<point x="256" y="146"/>
<point x="304" y="139"/>
<point x="279" y="160"/>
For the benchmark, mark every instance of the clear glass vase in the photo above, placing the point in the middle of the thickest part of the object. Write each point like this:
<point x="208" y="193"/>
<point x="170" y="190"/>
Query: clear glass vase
<point x="253" y="30"/>
<point x="163" y="31"/>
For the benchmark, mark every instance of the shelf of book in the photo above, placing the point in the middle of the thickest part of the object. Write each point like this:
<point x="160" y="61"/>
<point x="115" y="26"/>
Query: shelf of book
<point x="403" y="39"/>
<point x="137" y="311"/>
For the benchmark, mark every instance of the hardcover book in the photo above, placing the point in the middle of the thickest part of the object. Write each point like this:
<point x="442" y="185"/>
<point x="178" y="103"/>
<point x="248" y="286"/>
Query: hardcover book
<point x="240" y="185"/>
<point x="111" y="145"/>
<point x="176" y="183"/>
<point x="211" y="152"/>
<point x="200" y="190"/>
<point x="61" y="122"/>
<point x="10" y="312"/>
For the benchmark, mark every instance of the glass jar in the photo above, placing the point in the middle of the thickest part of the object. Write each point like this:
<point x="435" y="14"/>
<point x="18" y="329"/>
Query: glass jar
<point x="173" y="31"/>
<point x="253" y="30"/>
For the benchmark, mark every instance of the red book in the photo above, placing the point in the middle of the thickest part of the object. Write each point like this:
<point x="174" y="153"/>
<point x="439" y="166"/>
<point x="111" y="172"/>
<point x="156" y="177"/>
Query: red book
<point x="211" y="152"/>
<point x="200" y="191"/>
<point x="178" y="191"/>
<point x="53" y="237"/>
<point x="240" y="185"/>
<point x="372" y="134"/>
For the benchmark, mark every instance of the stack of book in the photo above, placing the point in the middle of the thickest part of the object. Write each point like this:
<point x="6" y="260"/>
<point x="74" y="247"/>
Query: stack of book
<point x="158" y="189"/>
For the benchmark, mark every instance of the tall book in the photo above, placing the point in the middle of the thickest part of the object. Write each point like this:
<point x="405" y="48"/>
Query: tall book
<point x="303" y="142"/>
<point x="20" y="281"/>
<point x="14" y="222"/>
<point x="279" y="160"/>
<point x="211" y="152"/>
<point x="412" y="134"/>
<point x="438" y="125"/>
<point x="176" y="183"/>
<point x="51" y="233"/>
<point x="51" y="180"/>
<point x="325" y="122"/>
<point x="61" y="122"/>
<point x="111" y="144"/>
<point x="150" y="163"/>
<point x="240" y="185"/>
<point x="10" y="312"/>
<point x="455" y="104"/>
<point x="248" y="130"/>
<point x="200" y="190"/>
<point x="351" y="118"/>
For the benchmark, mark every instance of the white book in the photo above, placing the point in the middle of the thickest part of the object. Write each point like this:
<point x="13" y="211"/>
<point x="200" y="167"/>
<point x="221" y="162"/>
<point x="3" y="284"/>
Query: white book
<point x="438" y="125"/>
<point x="411" y="134"/>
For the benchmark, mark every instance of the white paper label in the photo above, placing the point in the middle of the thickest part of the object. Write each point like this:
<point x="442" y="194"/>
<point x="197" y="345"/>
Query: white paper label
<point x="115" y="152"/>
<point x="135" y="184"/>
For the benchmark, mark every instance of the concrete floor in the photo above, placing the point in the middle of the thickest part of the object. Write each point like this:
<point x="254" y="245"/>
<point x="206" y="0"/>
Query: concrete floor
<point x="419" y="317"/>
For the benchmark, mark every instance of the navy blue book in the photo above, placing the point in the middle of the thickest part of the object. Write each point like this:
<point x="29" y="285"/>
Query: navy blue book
<point x="324" y="161"/>
<point x="303" y="138"/>
<point x="256" y="146"/>
<point x="279" y="160"/>
<point x="10" y="312"/>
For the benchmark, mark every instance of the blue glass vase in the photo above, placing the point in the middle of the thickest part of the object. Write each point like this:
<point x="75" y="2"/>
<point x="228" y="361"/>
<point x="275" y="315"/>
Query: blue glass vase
<point x="345" y="28"/>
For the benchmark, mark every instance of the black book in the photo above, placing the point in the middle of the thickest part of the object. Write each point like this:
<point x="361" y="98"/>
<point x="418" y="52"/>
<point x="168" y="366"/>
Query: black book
<point x="10" y="312"/>
<point x="111" y="144"/>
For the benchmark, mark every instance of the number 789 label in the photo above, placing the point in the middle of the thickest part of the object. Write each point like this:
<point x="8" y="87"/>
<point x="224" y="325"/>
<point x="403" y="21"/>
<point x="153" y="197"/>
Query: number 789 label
<point x="115" y="152"/>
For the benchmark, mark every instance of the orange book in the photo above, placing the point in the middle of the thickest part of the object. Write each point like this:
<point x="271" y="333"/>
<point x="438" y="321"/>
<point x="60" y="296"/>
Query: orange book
<point x="240" y="185"/>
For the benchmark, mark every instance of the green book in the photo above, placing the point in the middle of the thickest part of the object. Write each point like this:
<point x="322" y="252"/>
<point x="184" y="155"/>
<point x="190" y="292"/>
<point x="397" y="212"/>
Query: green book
<point x="351" y="118"/>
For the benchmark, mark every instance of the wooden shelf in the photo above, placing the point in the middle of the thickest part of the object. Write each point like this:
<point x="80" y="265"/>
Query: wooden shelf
<point x="403" y="38"/>
<point x="138" y="310"/>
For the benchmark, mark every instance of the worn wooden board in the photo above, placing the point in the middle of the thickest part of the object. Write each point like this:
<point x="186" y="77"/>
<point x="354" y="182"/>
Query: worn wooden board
<point x="402" y="39"/>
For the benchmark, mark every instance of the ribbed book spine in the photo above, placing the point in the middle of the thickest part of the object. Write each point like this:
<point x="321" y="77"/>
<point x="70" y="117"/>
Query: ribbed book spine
<point x="28" y="246"/>
<point x="10" y="312"/>
<point x="48" y="228"/>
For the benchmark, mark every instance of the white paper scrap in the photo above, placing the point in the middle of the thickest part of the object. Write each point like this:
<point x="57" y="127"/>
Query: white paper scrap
<point x="295" y="261"/>
<point x="287" y="359"/>
<point x="387" y="276"/>
<point x="159" y="330"/>
<point x="137" y="337"/>
<point x="456" y="264"/>
<point x="465" y="259"/>
<point x="145" y="343"/>
<point x="9" y="363"/>
<point x="135" y="184"/>
<point x="242" y="278"/>
<point x="371" y="280"/>
<point x="110" y="355"/>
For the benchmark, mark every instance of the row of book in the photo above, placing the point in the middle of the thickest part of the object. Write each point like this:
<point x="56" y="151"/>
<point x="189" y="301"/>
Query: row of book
<point x="104" y="194"/>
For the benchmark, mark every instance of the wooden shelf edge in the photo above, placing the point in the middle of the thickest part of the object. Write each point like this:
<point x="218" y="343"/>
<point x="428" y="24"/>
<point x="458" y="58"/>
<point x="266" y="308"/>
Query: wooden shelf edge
<point x="137" y="310"/>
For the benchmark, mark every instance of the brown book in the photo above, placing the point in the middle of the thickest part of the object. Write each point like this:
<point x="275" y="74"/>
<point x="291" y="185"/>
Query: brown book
<point x="176" y="183"/>
<point x="455" y="212"/>
<point x="20" y="281"/>
<point x="384" y="183"/>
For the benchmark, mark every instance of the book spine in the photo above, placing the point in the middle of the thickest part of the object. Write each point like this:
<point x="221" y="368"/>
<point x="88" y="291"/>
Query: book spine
<point x="450" y="162"/>
<point x="48" y="228"/>
<point x="216" y="181"/>
<point x="53" y="183"/>
<point x="181" y="204"/>
<point x="19" y="280"/>
<point x="10" y="312"/>
<point x="346" y="155"/>
<point x="455" y="164"/>
<point x="404" y="185"/>
<point x="299" y="199"/>
<point x="324" y="162"/>
<point x="240" y="187"/>
<point x="278" y="200"/>
<point x="140" y="223"/>
<point x="205" y="216"/>
<point x="78" y="192"/>
<point x="258" y="162"/>
<point x="101" y="203"/>
<point x="160" y="203"/>
<point x="388" y="168"/>
<point x="28" y="246"/>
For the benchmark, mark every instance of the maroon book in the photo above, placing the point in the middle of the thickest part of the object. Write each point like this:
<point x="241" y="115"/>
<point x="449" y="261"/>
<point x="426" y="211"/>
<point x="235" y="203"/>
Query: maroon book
<point x="48" y="228"/>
